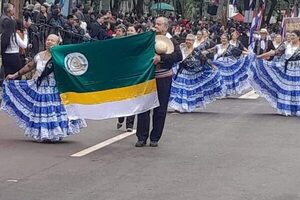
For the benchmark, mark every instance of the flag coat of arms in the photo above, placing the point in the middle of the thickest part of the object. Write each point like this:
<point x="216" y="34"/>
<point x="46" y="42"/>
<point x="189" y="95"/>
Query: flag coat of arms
<point x="107" y="79"/>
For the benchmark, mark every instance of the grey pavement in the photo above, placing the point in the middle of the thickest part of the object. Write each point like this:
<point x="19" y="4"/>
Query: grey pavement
<point x="233" y="150"/>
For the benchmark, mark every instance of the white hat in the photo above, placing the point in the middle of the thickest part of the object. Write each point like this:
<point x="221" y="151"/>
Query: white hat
<point x="263" y="30"/>
<point x="163" y="45"/>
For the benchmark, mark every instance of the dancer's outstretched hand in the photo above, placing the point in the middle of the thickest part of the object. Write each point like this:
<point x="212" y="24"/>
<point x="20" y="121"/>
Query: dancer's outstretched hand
<point x="245" y="52"/>
<point x="259" y="56"/>
<point x="11" y="76"/>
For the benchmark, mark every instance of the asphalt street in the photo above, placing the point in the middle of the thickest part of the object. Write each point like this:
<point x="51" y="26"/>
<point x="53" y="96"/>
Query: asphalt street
<point x="235" y="149"/>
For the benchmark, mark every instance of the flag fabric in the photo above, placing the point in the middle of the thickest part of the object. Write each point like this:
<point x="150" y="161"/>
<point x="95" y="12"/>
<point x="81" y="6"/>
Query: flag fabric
<point x="255" y="25"/>
<point x="257" y="20"/>
<point x="252" y="4"/>
<point x="107" y="79"/>
<point x="262" y="8"/>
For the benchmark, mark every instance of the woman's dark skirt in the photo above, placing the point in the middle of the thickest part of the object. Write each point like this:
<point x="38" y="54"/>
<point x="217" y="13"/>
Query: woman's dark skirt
<point x="11" y="63"/>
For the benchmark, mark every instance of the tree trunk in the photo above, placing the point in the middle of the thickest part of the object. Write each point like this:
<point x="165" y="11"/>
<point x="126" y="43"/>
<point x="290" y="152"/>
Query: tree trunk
<point x="134" y="4"/>
<point x="140" y="8"/>
<point x="200" y="6"/>
<point x="115" y="5"/>
<point x="111" y="4"/>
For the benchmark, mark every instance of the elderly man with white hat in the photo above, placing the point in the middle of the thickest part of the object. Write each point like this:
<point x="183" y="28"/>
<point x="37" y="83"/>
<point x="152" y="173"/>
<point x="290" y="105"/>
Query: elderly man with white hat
<point x="167" y="54"/>
<point x="264" y="44"/>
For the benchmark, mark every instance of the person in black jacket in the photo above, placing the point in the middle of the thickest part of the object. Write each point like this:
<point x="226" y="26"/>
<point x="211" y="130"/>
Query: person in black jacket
<point x="98" y="29"/>
<point x="56" y="20"/>
<point x="163" y="75"/>
<point x="264" y="44"/>
<point x="69" y="29"/>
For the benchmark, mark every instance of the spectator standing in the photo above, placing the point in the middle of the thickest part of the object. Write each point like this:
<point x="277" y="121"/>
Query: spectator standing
<point x="121" y="30"/>
<point x="56" y="21"/>
<point x="264" y="44"/>
<point x="21" y="33"/>
<point x="36" y="13"/>
<point x="10" y="47"/>
<point x="277" y="41"/>
<point x="8" y="14"/>
<point x="79" y="13"/>
<point x="98" y="29"/>
<point x="44" y="15"/>
<point x="163" y="74"/>
<point x="70" y="29"/>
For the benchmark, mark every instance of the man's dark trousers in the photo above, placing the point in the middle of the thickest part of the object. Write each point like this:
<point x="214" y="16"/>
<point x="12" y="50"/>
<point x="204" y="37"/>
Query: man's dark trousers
<point x="159" y="113"/>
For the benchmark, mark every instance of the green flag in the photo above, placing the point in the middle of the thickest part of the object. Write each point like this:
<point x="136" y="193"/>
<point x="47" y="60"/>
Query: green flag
<point x="106" y="79"/>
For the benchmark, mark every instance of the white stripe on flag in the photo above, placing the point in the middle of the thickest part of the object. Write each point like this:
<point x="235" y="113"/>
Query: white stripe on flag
<point x="114" y="109"/>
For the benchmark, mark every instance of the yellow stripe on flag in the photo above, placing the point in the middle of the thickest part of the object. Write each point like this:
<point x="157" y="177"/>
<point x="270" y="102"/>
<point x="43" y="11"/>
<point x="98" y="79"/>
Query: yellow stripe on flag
<point x="118" y="94"/>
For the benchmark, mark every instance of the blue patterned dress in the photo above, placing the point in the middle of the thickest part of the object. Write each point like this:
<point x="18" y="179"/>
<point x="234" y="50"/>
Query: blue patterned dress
<point x="233" y="68"/>
<point x="279" y="82"/>
<point x="38" y="109"/>
<point x="195" y="85"/>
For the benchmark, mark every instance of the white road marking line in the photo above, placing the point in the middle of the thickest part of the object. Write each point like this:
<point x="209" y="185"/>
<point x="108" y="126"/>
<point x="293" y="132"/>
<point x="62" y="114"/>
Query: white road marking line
<point x="103" y="144"/>
<point x="250" y="95"/>
<point x="15" y="181"/>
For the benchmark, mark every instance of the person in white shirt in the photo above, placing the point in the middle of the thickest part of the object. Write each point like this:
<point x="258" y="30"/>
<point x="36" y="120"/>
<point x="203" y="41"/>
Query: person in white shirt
<point x="277" y="41"/>
<point x="10" y="47"/>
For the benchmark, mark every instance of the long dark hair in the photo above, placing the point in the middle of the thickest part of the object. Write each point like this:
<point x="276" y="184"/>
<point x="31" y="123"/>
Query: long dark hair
<point x="20" y="25"/>
<point x="9" y="31"/>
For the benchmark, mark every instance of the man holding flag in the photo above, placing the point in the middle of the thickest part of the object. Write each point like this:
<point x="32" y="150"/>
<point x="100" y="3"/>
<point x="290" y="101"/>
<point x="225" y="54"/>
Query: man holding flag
<point x="163" y="75"/>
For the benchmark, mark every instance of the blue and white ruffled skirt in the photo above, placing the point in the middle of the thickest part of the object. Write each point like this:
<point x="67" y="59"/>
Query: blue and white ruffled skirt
<point x="278" y="83"/>
<point x="234" y="73"/>
<point x="195" y="89"/>
<point x="39" y="110"/>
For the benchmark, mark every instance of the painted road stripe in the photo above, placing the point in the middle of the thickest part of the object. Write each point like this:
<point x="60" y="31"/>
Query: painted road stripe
<point x="250" y="95"/>
<point x="103" y="144"/>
